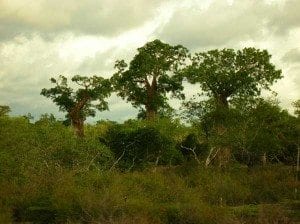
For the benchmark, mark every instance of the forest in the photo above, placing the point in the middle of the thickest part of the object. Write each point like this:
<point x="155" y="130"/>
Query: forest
<point x="229" y="155"/>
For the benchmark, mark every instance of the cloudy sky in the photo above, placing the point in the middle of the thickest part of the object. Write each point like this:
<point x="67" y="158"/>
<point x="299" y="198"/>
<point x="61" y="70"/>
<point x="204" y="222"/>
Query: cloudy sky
<point x="40" y="39"/>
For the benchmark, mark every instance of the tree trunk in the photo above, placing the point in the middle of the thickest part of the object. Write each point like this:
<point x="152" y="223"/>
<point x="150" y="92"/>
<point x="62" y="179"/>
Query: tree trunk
<point x="297" y="170"/>
<point x="220" y="156"/>
<point x="151" y="92"/>
<point x="76" y="119"/>
<point x="78" y="126"/>
<point x="224" y="153"/>
<point x="221" y="100"/>
<point x="150" y="114"/>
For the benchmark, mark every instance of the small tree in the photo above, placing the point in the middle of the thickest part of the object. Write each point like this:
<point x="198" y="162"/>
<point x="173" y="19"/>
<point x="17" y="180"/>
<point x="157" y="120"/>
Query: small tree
<point x="148" y="78"/>
<point x="4" y="110"/>
<point x="78" y="104"/>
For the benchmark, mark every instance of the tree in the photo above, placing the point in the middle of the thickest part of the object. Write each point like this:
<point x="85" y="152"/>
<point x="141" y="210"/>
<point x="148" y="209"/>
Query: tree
<point x="47" y="119"/>
<point x="78" y="104"/>
<point x="4" y="110"/>
<point x="226" y="74"/>
<point x="296" y="105"/>
<point x="148" y="78"/>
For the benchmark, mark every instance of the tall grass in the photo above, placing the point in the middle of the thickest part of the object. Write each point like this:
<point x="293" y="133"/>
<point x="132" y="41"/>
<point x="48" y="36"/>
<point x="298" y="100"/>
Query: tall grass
<point x="166" y="195"/>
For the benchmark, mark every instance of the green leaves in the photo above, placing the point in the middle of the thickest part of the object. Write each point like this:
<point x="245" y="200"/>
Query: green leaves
<point x="228" y="73"/>
<point x="296" y="105"/>
<point x="93" y="88"/>
<point x="149" y="76"/>
<point x="61" y="94"/>
<point x="4" y="110"/>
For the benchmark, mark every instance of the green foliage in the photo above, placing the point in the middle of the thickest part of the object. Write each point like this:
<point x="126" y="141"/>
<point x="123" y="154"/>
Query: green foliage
<point x="46" y="143"/>
<point x="4" y="110"/>
<point x="147" y="79"/>
<point x="296" y="104"/>
<point x="266" y="128"/>
<point x="249" y="128"/>
<point x="164" y="112"/>
<point x="138" y="143"/>
<point x="92" y="89"/>
<point x="226" y="74"/>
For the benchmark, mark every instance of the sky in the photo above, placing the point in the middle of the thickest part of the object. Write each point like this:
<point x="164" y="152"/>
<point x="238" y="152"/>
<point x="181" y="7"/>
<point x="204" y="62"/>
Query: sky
<point x="40" y="39"/>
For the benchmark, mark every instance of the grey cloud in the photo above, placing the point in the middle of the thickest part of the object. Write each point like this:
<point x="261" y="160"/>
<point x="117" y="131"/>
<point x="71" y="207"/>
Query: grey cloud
<point x="219" y="24"/>
<point x="100" y="63"/>
<point x="292" y="56"/>
<point x="286" y="17"/>
<point x="104" y="62"/>
<point x="48" y="18"/>
<point x="288" y="87"/>
<point x="224" y="24"/>
<point x="26" y="66"/>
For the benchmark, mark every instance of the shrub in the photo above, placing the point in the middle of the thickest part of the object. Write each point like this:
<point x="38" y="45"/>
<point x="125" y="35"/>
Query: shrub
<point x="136" y="146"/>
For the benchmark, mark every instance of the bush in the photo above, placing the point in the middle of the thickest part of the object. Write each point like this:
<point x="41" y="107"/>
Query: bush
<point x="137" y="145"/>
<point x="192" y="142"/>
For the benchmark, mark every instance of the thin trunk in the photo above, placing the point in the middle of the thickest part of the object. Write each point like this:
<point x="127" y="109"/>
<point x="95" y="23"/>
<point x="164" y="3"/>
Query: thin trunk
<point x="193" y="151"/>
<point x="297" y="170"/>
<point x="264" y="159"/>
<point x="132" y="165"/>
<point x="210" y="158"/>
<point x="157" y="160"/>
<point x="117" y="161"/>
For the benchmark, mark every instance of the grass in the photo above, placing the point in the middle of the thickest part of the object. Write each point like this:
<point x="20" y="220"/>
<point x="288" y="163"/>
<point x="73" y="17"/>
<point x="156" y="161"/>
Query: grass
<point x="164" y="195"/>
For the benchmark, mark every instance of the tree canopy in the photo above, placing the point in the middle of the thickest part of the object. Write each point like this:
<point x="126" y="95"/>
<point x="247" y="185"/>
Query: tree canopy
<point x="148" y="77"/>
<point x="226" y="74"/>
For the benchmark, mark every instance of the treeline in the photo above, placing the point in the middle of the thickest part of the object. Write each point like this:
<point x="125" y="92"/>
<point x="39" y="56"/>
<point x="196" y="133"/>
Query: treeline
<point x="256" y="135"/>
<point x="159" y="69"/>
<point x="230" y="115"/>
<point x="228" y="119"/>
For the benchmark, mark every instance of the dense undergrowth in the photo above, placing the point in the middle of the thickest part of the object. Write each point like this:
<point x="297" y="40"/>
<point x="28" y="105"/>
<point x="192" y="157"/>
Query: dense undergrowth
<point x="49" y="176"/>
